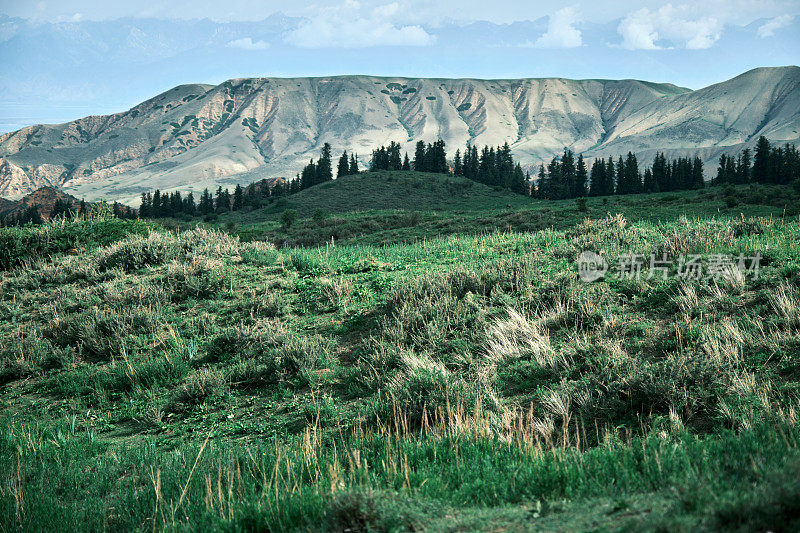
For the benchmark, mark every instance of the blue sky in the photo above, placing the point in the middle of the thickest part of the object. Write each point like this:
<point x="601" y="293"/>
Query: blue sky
<point x="67" y="59"/>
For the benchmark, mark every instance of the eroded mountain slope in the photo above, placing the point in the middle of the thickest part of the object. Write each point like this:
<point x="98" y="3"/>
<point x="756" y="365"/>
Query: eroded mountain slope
<point x="197" y="136"/>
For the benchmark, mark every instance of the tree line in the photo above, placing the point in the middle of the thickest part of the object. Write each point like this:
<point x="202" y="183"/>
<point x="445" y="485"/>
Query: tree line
<point x="769" y="164"/>
<point x="491" y="166"/>
<point x="566" y="176"/>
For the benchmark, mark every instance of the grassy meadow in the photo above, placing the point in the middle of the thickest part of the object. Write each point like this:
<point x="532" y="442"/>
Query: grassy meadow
<point x="440" y="367"/>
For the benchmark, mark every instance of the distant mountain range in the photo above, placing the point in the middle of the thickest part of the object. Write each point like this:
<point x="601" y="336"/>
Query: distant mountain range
<point x="198" y="136"/>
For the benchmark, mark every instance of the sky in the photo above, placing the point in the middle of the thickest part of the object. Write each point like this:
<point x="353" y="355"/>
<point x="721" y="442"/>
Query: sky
<point x="63" y="60"/>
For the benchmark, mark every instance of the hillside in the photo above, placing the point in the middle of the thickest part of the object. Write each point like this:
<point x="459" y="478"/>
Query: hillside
<point x="197" y="136"/>
<point x="386" y="190"/>
<point x="402" y="207"/>
<point x="187" y="380"/>
<point x="43" y="199"/>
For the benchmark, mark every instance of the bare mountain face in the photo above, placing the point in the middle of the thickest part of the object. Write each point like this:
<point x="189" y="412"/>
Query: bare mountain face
<point x="198" y="136"/>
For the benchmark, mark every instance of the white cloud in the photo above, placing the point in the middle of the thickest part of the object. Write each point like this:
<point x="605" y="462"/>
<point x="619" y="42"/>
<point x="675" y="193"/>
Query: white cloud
<point x="651" y="30"/>
<point x="561" y="30"/>
<point x="769" y="27"/>
<point x="247" y="43"/>
<point x="350" y="26"/>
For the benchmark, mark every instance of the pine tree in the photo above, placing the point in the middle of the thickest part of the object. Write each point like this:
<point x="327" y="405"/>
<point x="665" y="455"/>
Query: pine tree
<point x="722" y="175"/>
<point x="145" y="206"/>
<point x="353" y="164"/>
<point x="393" y="157"/>
<point x="660" y="172"/>
<point x="419" y="157"/>
<point x="324" y="170"/>
<point x="519" y="181"/>
<point x="568" y="174"/>
<point x="458" y="169"/>
<point x="541" y="183"/>
<point x="743" y="167"/>
<point x="406" y="163"/>
<point x="308" y="176"/>
<point x="649" y="184"/>
<point x="762" y="171"/>
<point x="61" y="209"/>
<point x="581" y="178"/>
<point x="189" y="206"/>
<point x="238" y="198"/>
<point x="343" y="168"/>
<point x="156" y="211"/>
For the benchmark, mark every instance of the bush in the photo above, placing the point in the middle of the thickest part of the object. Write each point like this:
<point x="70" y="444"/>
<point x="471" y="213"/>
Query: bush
<point x="24" y="243"/>
<point x="319" y="216"/>
<point x="580" y="203"/>
<point x="288" y="218"/>
<point x="731" y="201"/>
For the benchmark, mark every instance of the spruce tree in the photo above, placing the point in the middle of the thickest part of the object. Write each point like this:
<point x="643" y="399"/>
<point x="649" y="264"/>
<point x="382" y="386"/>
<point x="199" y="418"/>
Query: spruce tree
<point x="406" y="163"/>
<point x="458" y="169"/>
<point x="189" y="206"/>
<point x="343" y="168"/>
<point x="541" y="183"/>
<point x="419" y="157"/>
<point x="761" y="161"/>
<point x="238" y="198"/>
<point x="581" y="178"/>
<point x="353" y="164"/>
<point x="324" y="171"/>
<point x="649" y="184"/>
<point x="393" y="157"/>
<point x="145" y="206"/>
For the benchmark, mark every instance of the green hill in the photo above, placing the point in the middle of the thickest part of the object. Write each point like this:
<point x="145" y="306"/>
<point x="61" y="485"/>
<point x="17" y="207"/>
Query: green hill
<point x="402" y="207"/>
<point x="406" y="190"/>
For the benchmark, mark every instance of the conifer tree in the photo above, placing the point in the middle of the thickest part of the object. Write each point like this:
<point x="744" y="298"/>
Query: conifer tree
<point x="238" y="198"/>
<point x="324" y="171"/>
<point x="343" y="168"/>
<point x="458" y="169"/>
<point x="581" y="178"/>
<point x="419" y="157"/>
<point x="189" y="206"/>
<point x="761" y="162"/>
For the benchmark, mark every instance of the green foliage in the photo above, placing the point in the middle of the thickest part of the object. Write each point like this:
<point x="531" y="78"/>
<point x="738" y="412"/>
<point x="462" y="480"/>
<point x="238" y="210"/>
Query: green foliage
<point x="20" y="244"/>
<point x="287" y="218"/>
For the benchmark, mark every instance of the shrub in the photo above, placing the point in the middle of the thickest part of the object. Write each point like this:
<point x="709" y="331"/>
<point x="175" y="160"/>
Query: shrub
<point x="319" y="216"/>
<point x="202" y="385"/>
<point x="24" y="243"/>
<point x="288" y="218"/>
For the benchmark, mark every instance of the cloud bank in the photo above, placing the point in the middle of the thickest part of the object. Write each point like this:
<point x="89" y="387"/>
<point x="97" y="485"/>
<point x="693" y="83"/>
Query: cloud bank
<point x="350" y="26"/>
<point x="668" y="27"/>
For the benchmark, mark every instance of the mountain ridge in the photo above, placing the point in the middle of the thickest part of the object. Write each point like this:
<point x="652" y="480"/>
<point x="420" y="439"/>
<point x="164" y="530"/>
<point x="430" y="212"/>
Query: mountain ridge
<point x="198" y="135"/>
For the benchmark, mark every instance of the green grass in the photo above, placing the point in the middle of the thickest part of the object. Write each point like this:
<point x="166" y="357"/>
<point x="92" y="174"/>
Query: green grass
<point x="450" y="377"/>
<point x="402" y="207"/>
